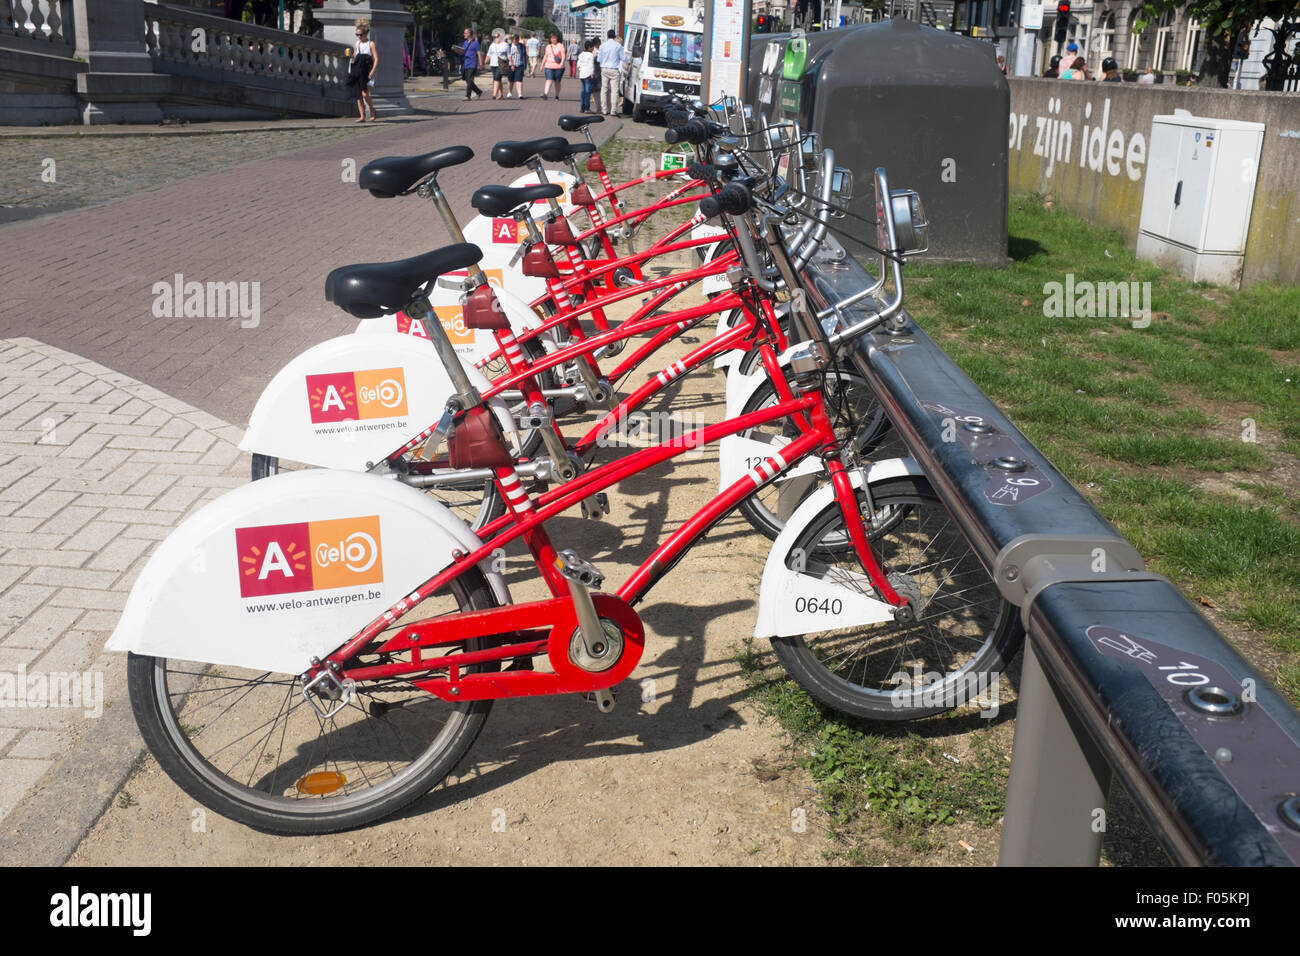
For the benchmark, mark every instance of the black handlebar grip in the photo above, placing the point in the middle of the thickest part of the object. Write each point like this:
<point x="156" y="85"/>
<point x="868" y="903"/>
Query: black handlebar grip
<point x="692" y="131"/>
<point x="710" y="206"/>
<point x="675" y="118"/>
<point x="734" y="198"/>
<point x="702" y="171"/>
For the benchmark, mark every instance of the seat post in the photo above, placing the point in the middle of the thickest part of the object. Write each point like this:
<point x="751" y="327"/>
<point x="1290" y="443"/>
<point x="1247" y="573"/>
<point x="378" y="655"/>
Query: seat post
<point x="431" y="190"/>
<point x="467" y="396"/>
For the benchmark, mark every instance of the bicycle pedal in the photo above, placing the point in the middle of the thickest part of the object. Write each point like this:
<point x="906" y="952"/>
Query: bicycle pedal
<point x="574" y="568"/>
<point x="603" y="699"/>
<point x="595" y="506"/>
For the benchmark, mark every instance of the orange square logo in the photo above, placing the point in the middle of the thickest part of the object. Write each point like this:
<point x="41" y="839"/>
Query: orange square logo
<point x="381" y="393"/>
<point x="345" y="552"/>
<point x="452" y="318"/>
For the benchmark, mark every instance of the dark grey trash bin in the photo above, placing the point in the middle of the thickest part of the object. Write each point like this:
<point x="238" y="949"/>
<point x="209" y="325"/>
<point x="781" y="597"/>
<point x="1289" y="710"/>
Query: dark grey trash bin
<point x="930" y="106"/>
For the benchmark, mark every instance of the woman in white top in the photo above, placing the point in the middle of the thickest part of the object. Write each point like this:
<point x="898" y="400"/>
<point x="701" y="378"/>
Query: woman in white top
<point x="361" y="71"/>
<point x="498" y="59"/>
<point x="587" y="73"/>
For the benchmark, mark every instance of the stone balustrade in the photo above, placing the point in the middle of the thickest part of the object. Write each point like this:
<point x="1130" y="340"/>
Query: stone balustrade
<point x="38" y="22"/>
<point x="183" y="41"/>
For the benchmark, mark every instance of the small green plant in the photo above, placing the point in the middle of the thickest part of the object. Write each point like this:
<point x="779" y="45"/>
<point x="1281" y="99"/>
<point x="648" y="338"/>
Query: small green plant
<point x="125" y="800"/>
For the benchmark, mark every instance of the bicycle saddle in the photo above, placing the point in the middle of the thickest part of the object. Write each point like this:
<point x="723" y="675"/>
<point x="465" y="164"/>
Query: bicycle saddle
<point x="500" y="200"/>
<point x="393" y="175"/>
<point x="568" y="150"/>
<point x="571" y="124"/>
<point x="371" y="289"/>
<point x="511" y="153"/>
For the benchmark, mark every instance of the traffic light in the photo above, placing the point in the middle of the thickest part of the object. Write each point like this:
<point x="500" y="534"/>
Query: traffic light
<point x="763" y="24"/>
<point x="1062" y="20"/>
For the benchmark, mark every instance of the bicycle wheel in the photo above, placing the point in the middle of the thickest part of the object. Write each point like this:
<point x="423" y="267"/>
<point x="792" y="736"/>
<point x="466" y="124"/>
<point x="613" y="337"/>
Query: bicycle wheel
<point x="768" y="508"/>
<point x="964" y="630"/>
<point x="477" y="503"/>
<point x="250" y="747"/>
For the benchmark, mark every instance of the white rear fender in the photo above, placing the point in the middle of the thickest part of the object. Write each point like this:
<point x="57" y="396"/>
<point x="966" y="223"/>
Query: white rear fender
<point x="799" y="596"/>
<point x="282" y="570"/>
<point x="355" y="399"/>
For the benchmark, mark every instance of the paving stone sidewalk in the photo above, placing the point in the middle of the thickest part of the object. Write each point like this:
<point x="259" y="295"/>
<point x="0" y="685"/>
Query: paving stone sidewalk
<point x="95" y="467"/>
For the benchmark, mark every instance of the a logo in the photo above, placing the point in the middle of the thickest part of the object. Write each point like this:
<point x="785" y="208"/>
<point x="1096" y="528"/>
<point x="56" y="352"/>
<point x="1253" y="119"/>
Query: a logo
<point x="308" y="556"/>
<point x="348" y="396"/>
<point x="672" y="21"/>
<point x="408" y="326"/>
<point x="669" y="161"/>
<point x="505" y="230"/>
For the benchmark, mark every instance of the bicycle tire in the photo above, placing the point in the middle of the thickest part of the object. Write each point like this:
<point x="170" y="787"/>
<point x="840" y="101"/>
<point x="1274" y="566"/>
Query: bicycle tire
<point x="166" y="722"/>
<point x="964" y="627"/>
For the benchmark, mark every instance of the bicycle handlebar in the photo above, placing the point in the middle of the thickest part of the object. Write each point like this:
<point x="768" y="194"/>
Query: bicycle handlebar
<point x="733" y="198"/>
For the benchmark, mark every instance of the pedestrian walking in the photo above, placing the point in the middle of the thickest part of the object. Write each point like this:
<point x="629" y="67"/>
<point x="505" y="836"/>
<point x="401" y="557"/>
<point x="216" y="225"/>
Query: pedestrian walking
<point x="361" y="70"/>
<point x="610" y="60"/>
<point x="518" y="58"/>
<point x="553" y="63"/>
<point x="587" y="74"/>
<point x="473" y="53"/>
<point x="573" y="58"/>
<point x="497" y="60"/>
<point x="1053" y="71"/>
<point x="534" y="47"/>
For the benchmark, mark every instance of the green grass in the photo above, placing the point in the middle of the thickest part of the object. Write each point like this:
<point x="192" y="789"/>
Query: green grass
<point x="1150" y="416"/>
<point x="886" y="775"/>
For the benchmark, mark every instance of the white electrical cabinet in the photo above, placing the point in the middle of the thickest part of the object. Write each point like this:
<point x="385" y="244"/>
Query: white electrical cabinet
<point x="1200" y="185"/>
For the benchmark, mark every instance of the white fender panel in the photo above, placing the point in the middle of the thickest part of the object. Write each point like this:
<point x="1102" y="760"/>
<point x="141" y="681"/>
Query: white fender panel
<point x="711" y="284"/>
<point x="355" y="399"/>
<point x="738" y="454"/>
<point x="801" y="602"/>
<point x="472" y="345"/>
<point x="281" y="570"/>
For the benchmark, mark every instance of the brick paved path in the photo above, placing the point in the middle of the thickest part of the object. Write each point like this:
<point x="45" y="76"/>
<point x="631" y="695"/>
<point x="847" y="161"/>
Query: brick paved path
<point x="94" y="468"/>
<point x="83" y="280"/>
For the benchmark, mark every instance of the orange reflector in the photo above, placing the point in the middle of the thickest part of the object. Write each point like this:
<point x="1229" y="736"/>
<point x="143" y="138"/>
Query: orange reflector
<point x="327" y="781"/>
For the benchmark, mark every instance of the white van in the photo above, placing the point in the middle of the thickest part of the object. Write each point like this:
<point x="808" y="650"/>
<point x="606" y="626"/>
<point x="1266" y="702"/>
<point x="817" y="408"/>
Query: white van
<point x="667" y="47"/>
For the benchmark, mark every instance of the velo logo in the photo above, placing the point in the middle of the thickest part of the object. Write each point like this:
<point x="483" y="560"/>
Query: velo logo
<point x="452" y="318"/>
<point x="347" y="396"/>
<point x="308" y="556"/>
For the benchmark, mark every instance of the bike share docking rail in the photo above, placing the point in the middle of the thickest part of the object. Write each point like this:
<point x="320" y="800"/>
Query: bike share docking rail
<point x="1122" y="676"/>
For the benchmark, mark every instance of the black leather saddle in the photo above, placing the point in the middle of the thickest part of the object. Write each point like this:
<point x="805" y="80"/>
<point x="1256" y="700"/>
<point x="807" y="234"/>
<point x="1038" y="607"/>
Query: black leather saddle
<point x="571" y="124"/>
<point x="501" y="200"/>
<point x="371" y="289"/>
<point x="395" y="175"/>
<point x="514" y="153"/>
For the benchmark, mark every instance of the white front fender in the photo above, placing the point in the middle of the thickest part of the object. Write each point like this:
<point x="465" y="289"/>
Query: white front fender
<point x="282" y="570"/>
<point x="805" y="601"/>
<point x="355" y="399"/>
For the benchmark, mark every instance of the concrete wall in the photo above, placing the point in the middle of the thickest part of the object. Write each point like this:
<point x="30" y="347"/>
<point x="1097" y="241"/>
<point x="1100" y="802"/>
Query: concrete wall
<point x="1104" y="182"/>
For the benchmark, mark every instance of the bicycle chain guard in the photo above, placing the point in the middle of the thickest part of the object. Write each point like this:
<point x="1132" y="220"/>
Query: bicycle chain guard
<point x="518" y="631"/>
